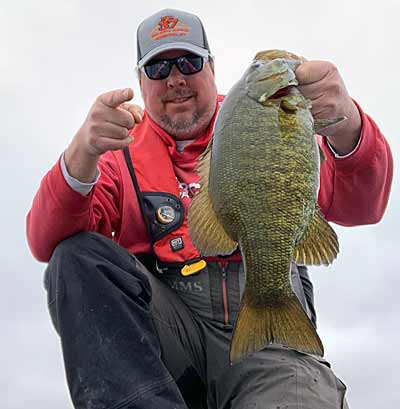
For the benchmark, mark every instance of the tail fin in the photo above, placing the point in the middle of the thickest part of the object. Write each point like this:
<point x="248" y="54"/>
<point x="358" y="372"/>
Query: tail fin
<point x="287" y="324"/>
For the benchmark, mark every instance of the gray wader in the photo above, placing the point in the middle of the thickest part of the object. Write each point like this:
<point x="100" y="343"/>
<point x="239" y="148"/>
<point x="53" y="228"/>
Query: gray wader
<point x="132" y="338"/>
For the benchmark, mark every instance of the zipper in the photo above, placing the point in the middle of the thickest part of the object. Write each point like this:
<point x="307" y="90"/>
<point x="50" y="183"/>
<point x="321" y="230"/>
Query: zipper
<point x="224" y="292"/>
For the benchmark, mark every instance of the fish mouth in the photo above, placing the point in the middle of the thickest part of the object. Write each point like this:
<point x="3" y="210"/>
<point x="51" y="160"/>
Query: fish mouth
<point x="281" y="93"/>
<point x="270" y="77"/>
<point x="270" y="80"/>
<point x="284" y="92"/>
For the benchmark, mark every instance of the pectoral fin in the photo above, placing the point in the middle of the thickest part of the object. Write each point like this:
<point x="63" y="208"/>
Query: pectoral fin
<point x="319" y="244"/>
<point x="206" y="232"/>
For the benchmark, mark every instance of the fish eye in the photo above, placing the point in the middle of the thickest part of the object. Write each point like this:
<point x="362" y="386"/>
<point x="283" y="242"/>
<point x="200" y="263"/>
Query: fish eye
<point x="256" y="64"/>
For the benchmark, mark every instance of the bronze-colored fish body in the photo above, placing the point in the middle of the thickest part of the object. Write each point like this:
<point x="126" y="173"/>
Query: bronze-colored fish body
<point x="260" y="184"/>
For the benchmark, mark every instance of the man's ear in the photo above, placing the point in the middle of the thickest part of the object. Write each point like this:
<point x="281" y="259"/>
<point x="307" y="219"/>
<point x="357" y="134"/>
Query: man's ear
<point x="139" y="75"/>
<point x="211" y="62"/>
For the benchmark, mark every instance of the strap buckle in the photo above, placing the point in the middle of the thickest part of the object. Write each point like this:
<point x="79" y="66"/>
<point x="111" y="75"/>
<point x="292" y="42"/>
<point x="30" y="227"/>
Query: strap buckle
<point x="161" y="270"/>
<point x="190" y="269"/>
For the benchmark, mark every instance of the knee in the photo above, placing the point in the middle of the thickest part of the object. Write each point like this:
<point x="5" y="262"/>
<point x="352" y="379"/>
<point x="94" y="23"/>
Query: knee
<point x="86" y="246"/>
<point x="93" y="260"/>
<point x="79" y="254"/>
<point x="78" y="244"/>
<point x="68" y="253"/>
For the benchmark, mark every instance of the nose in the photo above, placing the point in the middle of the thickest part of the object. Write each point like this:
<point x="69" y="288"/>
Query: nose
<point x="175" y="78"/>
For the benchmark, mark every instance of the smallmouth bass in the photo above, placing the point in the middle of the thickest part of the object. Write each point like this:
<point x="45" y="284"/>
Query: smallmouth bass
<point x="259" y="182"/>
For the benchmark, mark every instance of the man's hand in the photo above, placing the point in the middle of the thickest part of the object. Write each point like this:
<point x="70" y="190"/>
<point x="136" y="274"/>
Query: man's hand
<point x="321" y="82"/>
<point x="105" y="129"/>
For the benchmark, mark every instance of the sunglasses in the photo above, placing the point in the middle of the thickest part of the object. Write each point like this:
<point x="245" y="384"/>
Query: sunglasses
<point x="187" y="64"/>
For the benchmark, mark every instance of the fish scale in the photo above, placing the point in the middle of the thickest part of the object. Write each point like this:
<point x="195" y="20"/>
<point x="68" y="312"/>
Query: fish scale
<point x="275" y="188"/>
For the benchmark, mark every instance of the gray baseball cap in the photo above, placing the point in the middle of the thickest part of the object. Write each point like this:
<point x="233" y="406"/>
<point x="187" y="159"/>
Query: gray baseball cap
<point x="170" y="29"/>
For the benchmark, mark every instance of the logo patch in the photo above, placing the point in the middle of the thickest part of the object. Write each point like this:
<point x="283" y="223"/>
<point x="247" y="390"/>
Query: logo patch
<point x="169" y="26"/>
<point x="188" y="189"/>
<point x="186" y="286"/>
<point x="177" y="244"/>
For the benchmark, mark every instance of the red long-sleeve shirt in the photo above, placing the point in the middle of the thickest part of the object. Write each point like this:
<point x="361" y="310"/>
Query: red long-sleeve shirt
<point x="353" y="191"/>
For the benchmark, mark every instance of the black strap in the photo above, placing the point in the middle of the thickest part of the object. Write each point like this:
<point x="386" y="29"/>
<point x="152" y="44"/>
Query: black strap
<point x="128" y="161"/>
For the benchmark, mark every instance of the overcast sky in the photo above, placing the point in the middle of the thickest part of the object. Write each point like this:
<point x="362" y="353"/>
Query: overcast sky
<point x="58" y="55"/>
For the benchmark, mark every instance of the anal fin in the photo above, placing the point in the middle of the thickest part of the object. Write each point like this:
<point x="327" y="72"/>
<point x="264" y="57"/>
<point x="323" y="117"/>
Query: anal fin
<point x="319" y="245"/>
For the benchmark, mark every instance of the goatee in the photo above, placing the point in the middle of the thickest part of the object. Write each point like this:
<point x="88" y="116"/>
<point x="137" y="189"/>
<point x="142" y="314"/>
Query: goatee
<point x="182" y="128"/>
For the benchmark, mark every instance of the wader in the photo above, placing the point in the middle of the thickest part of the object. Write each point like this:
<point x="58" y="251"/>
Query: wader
<point x="139" y="334"/>
<point x="133" y="339"/>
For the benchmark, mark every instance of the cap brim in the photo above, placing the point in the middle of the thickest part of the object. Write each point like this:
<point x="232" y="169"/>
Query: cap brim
<point x="172" y="46"/>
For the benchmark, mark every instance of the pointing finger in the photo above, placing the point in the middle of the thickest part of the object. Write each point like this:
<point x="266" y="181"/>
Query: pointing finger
<point x="115" y="98"/>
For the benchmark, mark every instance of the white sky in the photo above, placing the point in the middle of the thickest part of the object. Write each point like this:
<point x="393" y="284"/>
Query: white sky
<point x="57" y="56"/>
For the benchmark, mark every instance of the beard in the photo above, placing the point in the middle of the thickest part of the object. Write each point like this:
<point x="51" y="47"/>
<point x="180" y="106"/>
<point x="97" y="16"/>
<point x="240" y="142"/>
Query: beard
<point x="185" y="128"/>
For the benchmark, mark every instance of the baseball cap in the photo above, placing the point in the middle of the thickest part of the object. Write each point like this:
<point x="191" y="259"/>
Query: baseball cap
<point x="170" y="29"/>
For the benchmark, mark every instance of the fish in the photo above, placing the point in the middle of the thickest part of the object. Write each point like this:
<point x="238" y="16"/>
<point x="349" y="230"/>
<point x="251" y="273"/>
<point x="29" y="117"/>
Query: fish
<point x="259" y="179"/>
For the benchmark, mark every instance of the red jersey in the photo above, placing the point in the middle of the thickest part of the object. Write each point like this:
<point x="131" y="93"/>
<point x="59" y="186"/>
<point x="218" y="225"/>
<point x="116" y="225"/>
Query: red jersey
<point x="353" y="191"/>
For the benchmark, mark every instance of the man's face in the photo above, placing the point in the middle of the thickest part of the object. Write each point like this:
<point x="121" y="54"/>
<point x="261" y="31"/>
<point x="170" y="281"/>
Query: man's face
<point x="183" y="105"/>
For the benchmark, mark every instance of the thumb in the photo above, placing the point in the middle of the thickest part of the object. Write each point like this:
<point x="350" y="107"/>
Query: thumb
<point x="312" y="71"/>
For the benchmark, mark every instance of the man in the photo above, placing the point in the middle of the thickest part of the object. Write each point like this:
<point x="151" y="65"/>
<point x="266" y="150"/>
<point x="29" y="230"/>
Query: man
<point x="158" y="336"/>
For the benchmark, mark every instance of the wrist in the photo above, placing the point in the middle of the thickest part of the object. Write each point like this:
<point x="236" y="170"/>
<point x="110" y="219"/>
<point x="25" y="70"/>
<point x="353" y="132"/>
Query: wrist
<point x="345" y="137"/>
<point x="80" y="165"/>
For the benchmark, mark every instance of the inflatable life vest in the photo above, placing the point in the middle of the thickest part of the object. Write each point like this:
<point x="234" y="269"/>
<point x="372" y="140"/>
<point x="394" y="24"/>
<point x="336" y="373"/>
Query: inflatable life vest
<point x="157" y="188"/>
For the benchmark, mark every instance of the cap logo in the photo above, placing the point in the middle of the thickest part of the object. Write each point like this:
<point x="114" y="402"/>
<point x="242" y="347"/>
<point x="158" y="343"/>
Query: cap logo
<point x="169" y="26"/>
<point x="167" y="22"/>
